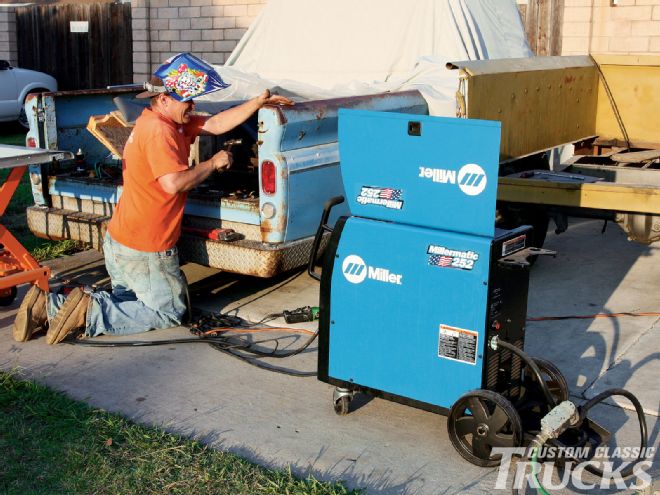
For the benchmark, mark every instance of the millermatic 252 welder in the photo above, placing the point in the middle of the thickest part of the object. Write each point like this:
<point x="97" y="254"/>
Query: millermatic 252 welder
<point x="423" y="301"/>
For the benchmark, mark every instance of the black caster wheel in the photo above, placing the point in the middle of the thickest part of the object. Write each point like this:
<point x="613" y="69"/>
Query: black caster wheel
<point x="342" y="404"/>
<point x="481" y="420"/>
<point x="8" y="298"/>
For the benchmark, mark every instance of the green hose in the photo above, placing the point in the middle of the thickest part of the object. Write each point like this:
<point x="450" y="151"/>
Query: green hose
<point x="537" y="484"/>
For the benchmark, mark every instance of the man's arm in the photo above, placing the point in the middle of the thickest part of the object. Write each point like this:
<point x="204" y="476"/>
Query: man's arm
<point x="178" y="182"/>
<point x="227" y="120"/>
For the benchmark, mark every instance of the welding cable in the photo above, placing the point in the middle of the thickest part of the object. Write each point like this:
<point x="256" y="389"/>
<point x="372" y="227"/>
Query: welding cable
<point x="588" y="317"/>
<point x="255" y="362"/>
<point x="284" y="354"/>
<point x="222" y="344"/>
<point x="533" y="366"/>
<point x="213" y="331"/>
<point x="149" y="343"/>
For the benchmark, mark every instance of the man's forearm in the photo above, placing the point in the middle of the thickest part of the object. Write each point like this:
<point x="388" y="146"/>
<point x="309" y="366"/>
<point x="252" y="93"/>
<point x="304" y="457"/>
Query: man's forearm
<point x="227" y="120"/>
<point x="184" y="181"/>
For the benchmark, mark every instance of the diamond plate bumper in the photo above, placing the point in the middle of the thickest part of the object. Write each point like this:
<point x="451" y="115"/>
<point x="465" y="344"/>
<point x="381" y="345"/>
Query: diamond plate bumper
<point x="247" y="257"/>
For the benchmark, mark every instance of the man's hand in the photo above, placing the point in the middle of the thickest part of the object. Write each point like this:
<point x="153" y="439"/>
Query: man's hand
<point x="227" y="120"/>
<point x="222" y="160"/>
<point x="178" y="182"/>
<point x="266" y="98"/>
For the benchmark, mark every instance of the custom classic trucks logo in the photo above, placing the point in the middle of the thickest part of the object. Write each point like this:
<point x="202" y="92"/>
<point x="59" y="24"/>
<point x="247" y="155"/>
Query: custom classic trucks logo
<point x="471" y="178"/>
<point x="355" y="270"/>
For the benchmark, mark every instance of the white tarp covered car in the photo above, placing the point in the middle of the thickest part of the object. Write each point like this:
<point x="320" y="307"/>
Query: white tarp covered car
<point x="315" y="49"/>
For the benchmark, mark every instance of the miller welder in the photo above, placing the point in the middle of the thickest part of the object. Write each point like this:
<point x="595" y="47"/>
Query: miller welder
<point x="423" y="301"/>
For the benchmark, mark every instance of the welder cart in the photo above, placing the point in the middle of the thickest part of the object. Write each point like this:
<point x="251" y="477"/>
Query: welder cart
<point x="417" y="281"/>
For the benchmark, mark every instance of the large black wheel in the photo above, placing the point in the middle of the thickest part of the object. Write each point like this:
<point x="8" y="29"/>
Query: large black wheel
<point x="533" y="405"/>
<point x="481" y="420"/>
<point x="554" y="380"/>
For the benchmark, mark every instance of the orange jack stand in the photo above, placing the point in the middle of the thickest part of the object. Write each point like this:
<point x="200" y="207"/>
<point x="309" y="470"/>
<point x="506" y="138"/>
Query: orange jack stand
<point x="17" y="266"/>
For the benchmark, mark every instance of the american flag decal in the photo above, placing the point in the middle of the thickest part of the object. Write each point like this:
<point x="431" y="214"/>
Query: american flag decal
<point x="389" y="193"/>
<point x="440" y="260"/>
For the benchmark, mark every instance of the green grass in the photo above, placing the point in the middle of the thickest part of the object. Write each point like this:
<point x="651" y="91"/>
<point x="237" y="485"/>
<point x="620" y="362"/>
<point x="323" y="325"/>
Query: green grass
<point x="52" y="445"/>
<point x="12" y="133"/>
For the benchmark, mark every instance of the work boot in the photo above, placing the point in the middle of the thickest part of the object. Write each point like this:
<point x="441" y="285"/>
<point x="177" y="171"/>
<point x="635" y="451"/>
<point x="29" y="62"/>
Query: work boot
<point x="70" y="316"/>
<point x="31" y="315"/>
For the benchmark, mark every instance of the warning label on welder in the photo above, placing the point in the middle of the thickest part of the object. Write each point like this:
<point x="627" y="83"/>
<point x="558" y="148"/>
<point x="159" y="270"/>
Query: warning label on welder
<point x="458" y="344"/>
<point x="513" y="245"/>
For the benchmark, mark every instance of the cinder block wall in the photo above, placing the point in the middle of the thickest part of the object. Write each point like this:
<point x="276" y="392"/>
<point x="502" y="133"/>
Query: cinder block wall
<point x="8" y="45"/>
<point x="209" y="29"/>
<point x="598" y="26"/>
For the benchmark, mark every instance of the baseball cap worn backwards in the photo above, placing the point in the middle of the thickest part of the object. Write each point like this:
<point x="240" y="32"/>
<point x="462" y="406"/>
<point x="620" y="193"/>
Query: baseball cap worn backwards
<point x="183" y="77"/>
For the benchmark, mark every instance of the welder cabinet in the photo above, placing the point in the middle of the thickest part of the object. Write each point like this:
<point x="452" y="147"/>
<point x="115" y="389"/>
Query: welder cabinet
<point x="418" y="284"/>
<point x="400" y="322"/>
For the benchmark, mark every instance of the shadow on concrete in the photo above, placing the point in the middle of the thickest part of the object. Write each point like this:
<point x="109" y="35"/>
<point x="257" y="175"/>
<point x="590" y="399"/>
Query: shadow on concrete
<point x="586" y="349"/>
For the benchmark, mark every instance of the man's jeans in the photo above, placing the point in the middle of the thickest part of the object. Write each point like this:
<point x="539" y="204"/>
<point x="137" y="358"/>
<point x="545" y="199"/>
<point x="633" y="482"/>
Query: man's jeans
<point x="148" y="292"/>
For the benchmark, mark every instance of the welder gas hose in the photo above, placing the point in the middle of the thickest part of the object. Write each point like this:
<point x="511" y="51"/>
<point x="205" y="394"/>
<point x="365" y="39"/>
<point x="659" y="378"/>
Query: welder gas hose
<point x="532" y="454"/>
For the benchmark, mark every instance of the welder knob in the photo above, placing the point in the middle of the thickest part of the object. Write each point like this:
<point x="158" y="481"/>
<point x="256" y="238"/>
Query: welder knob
<point x="496" y="326"/>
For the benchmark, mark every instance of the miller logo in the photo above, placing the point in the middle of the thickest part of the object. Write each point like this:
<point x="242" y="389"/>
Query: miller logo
<point x="471" y="177"/>
<point x="355" y="270"/>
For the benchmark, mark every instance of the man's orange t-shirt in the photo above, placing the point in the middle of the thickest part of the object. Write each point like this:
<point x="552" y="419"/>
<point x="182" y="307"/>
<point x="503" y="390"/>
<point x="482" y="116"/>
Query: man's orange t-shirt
<point x="147" y="218"/>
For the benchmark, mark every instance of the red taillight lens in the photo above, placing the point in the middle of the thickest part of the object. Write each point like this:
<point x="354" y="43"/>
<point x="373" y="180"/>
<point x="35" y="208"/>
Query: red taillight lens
<point x="31" y="142"/>
<point x="268" y="177"/>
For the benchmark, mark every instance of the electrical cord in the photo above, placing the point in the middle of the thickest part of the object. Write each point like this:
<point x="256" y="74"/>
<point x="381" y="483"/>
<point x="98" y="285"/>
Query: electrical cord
<point x="588" y="317"/>
<point x="540" y="440"/>
<point x="640" y="417"/>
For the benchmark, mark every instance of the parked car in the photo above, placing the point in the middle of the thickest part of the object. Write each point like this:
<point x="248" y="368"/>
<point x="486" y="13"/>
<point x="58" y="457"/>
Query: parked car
<point x="15" y="85"/>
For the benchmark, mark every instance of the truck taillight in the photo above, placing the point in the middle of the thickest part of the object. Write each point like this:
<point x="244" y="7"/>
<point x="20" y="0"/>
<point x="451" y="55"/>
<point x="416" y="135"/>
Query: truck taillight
<point x="268" y="177"/>
<point x="31" y="142"/>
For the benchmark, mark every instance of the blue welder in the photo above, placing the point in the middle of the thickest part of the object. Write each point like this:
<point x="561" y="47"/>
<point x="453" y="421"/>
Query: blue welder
<point x="423" y="301"/>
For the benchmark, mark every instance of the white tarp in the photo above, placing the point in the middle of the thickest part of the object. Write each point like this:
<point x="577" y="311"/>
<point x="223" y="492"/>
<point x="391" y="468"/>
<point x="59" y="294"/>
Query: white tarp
<point x="316" y="49"/>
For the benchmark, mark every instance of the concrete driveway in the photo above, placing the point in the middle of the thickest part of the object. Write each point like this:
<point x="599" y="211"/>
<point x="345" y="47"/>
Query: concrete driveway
<point x="388" y="448"/>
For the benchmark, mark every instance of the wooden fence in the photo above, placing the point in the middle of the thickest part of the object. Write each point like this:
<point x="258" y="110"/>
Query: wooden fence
<point x="543" y="24"/>
<point x="54" y="39"/>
